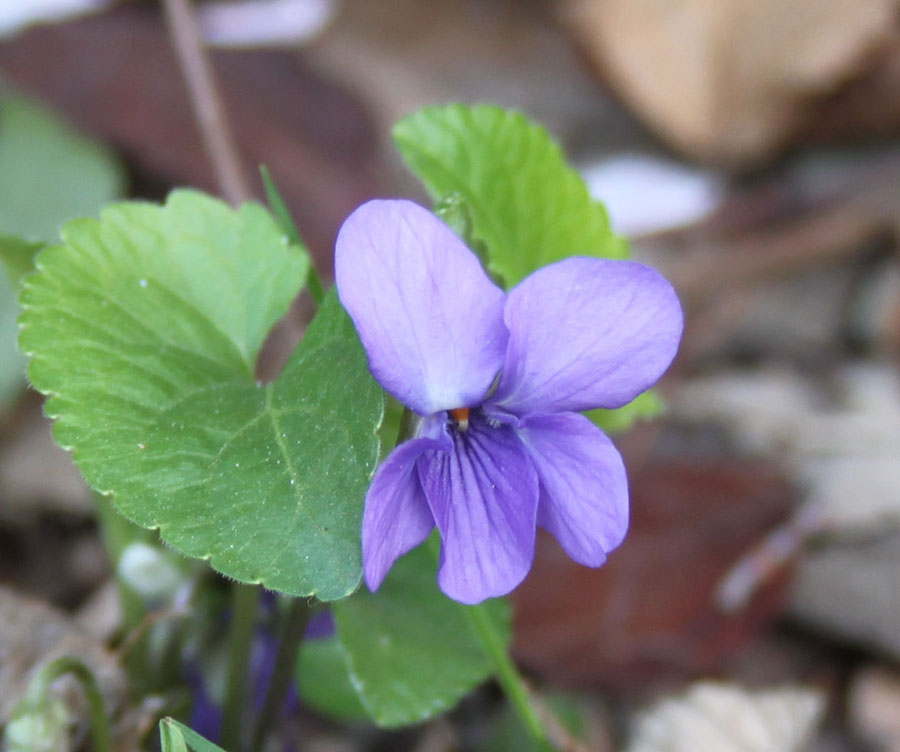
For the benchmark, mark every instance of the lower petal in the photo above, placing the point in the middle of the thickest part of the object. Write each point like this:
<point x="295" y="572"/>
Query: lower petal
<point x="483" y="496"/>
<point x="584" y="489"/>
<point x="396" y="517"/>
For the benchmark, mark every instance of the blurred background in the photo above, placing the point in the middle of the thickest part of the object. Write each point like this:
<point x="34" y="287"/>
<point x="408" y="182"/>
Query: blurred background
<point x="748" y="148"/>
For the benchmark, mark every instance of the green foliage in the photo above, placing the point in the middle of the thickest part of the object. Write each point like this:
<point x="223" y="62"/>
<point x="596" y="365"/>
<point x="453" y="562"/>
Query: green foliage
<point x="176" y="737"/>
<point x="40" y="722"/>
<point x="643" y="407"/>
<point x="280" y="211"/>
<point x="12" y="363"/>
<point x="144" y="329"/>
<point x="17" y="256"/>
<point x="48" y="173"/>
<point x="526" y="205"/>
<point x="572" y="713"/>
<point x="41" y="727"/>
<point x="410" y="650"/>
<point x="323" y="681"/>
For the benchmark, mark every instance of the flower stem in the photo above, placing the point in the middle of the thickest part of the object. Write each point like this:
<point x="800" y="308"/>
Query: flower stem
<point x="292" y="632"/>
<point x="205" y="100"/>
<point x="507" y="674"/>
<point x="49" y="673"/>
<point x="504" y="669"/>
<point x="407" y="419"/>
<point x="244" y="603"/>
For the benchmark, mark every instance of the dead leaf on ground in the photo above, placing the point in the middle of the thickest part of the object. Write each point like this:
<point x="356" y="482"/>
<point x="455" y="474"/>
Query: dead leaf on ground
<point x="850" y="590"/>
<point x="728" y="80"/>
<point x="874" y="707"/>
<point x="649" y="613"/>
<point x="728" y="718"/>
<point x="837" y="435"/>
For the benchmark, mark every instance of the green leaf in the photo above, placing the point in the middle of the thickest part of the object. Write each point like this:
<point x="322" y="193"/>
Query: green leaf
<point x="411" y="651"/>
<point x="643" y="407"/>
<point x="283" y="216"/>
<point x="12" y="362"/>
<point x="324" y="683"/>
<point x="170" y="737"/>
<point x="144" y="329"/>
<point x="17" y="256"/>
<point x="176" y="737"/>
<point x="526" y="205"/>
<point x="572" y="712"/>
<point x="48" y="173"/>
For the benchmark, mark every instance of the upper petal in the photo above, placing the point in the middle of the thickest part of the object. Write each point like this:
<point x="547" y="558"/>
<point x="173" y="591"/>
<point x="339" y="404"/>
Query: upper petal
<point x="484" y="499"/>
<point x="396" y="517"/>
<point x="584" y="489"/>
<point x="429" y="318"/>
<point x="586" y="333"/>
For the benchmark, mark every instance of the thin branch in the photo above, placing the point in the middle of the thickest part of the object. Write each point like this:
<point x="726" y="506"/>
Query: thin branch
<point x="825" y="237"/>
<point x="205" y="100"/>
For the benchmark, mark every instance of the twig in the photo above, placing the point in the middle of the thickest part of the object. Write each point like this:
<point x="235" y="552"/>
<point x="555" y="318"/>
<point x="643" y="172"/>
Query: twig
<point x="205" y="100"/>
<point x="824" y="237"/>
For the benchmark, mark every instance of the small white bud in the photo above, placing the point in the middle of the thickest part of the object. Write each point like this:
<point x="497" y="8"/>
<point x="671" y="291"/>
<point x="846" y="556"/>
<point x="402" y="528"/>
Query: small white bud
<point x="148" y="571"/>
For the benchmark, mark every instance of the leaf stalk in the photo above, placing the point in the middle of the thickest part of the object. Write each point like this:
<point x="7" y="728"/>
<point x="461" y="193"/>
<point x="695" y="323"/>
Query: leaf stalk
<point x="244" y="604"/>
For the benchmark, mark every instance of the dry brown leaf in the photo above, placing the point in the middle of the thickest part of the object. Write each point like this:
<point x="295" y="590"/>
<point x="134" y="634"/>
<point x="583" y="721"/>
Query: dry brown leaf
<point x="839" y="439"/>
<point x="851" y="590"/>
<point x="728" y="718"/>
<point x="649" y="613"/>
<point x="727" y="80"/>
<point x="874" y="707"/>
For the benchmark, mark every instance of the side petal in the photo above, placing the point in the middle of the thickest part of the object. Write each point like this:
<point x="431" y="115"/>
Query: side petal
<point x="586" y="333"/>
<point x="584" y="489"/>
<point x="396" y="517"/>
<point x="483" y="496"/>
<point x="429" y="318"/>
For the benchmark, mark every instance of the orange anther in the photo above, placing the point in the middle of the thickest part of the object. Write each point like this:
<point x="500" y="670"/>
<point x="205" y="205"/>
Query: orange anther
<point x="460" y="416"/>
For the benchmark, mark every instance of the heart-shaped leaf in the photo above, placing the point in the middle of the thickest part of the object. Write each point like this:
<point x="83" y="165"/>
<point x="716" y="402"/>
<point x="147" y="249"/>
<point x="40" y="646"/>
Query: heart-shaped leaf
<point x="323" y="681"/>
<point x="527" y="206"/>
<point x="144" y="329"/>
<point x="411" y="651"/>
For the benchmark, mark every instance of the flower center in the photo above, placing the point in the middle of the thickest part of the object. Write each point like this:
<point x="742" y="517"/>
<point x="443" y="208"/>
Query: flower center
<point x="460" y="416"/>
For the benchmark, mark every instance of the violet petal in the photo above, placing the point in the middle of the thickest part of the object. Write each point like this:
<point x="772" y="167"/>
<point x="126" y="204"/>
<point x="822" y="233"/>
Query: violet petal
<point x="429" y="318"/>
<point x="396" y="517"/>
<point x="483" y="496"/>
<point x="586" y="333"/>
<point x="584" y="489"/>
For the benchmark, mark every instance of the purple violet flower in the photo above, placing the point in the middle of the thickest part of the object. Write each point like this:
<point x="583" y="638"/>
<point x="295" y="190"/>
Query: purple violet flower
<point x="499" y="381"/>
